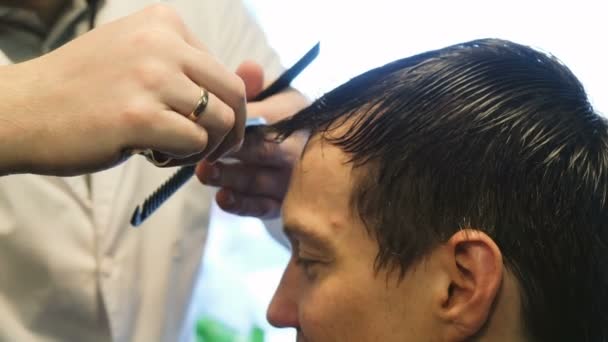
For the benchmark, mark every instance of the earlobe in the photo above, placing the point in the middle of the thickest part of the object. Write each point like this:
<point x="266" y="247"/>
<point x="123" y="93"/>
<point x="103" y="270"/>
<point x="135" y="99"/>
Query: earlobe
<point x="474" y="265"/>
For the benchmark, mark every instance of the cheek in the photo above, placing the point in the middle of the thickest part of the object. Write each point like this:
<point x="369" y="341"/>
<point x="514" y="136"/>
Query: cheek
<point x="356" y="306"/>
<point x="332" y="311"/>
<point x="319" y="313"/>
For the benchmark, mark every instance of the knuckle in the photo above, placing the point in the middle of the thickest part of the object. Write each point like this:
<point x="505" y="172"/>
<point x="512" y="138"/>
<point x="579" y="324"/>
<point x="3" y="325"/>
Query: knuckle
<point x="164" y="13"/>
<point x="227" y="119"/>
<point x="144" y="39"/>
<point x="199" y="142"/>
<point x="151" y="74"/>
<point x="136" y="114"/>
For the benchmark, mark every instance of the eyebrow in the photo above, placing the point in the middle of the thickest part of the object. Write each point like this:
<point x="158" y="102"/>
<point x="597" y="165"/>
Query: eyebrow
<point x="308" y="236"/>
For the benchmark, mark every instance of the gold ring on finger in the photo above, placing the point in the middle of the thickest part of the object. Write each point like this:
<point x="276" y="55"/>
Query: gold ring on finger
<point x="201" y="105"/>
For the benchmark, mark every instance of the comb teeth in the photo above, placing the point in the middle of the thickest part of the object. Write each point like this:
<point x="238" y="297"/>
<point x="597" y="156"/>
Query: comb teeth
<point x="171" y="185"/>
<point x="162" y="194"/>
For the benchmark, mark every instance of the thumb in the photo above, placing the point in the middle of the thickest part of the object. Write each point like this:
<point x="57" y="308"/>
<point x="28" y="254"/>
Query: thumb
<point x="252" y="75"/>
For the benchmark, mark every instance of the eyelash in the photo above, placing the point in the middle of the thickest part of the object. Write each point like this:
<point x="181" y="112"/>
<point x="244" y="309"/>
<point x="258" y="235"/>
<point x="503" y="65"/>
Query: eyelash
<point x="304" y="262"/>
<point x="306" y="265"/>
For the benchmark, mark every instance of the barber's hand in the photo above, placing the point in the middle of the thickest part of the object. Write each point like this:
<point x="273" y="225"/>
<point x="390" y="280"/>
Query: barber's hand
<point x="257" y="183"/>
<point x="126" y="85"/>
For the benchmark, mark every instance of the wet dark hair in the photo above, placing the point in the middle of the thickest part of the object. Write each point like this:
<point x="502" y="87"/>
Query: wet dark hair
<point x="489" y="135"/>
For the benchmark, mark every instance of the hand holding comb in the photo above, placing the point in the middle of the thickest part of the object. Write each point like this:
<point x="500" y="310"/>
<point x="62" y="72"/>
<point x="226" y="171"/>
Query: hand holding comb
<point x="158" y="197"/>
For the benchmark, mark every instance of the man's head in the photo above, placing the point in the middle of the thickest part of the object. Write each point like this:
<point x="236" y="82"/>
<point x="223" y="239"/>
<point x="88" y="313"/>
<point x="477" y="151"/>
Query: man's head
<point x="459" y="194"/>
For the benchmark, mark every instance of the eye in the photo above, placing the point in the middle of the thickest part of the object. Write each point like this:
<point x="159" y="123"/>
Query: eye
<point x="308" y="266"/>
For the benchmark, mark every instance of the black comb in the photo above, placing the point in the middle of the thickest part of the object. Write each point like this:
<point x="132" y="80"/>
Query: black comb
<point x="168" y="188"/>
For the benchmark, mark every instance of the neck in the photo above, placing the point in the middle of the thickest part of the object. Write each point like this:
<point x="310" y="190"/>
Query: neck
<point x="47" y="10"/>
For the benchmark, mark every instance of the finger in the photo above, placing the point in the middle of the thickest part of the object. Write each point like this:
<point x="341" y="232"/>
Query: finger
<point x="232" y="142"/>
<point x="246" y="179"/>
<point x="207" y="72"/>
<point x="277" y="107"/>
<point x="218" y="120"/>
<point x="259" y="149"/>
<point x="170" y="133"/>
<point x="181" y="95"/>
<point x="257" y="109"/>
<point x="252" y="75"/>
<point x="246" y="205"/>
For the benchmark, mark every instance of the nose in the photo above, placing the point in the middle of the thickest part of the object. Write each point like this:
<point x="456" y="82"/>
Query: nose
<point x="283" y="309"/>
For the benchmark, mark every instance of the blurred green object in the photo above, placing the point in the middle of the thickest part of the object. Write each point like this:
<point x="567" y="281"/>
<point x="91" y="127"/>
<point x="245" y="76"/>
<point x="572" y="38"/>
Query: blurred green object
<point x="256" y="334"/>
<point x="213" y="330"/>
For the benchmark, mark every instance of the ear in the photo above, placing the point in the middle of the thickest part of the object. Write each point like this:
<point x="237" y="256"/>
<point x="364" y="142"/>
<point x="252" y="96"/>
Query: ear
<point x="473" y="263"/>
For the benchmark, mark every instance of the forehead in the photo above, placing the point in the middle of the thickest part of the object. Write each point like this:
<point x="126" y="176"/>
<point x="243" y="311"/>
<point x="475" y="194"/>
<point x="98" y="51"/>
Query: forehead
<point x="320" y="189"/>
